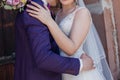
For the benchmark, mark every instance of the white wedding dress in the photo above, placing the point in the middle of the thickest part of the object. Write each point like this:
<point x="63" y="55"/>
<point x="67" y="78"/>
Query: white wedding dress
<point x="65" y="26"/>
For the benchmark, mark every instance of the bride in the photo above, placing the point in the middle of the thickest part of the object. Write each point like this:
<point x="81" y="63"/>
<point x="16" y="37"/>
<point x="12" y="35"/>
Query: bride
<point x="75" y="34"/>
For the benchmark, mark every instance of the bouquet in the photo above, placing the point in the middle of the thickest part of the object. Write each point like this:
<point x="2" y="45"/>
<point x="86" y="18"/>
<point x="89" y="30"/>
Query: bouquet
<point x="13" y="4"/>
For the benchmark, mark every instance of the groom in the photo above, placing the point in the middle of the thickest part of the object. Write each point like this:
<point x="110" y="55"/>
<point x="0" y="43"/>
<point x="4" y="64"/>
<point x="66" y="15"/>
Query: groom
<point x="37" y="55"/>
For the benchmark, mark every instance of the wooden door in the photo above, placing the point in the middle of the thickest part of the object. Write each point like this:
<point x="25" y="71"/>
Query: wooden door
<point x="7" y="47"/>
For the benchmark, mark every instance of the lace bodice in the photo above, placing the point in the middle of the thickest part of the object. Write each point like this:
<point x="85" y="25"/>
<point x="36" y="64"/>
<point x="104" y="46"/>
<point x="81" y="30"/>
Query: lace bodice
<point x="65" y="25"/>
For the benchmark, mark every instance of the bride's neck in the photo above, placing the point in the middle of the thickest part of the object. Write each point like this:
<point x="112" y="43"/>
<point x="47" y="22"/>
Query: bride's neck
<point x="66" y="8"/>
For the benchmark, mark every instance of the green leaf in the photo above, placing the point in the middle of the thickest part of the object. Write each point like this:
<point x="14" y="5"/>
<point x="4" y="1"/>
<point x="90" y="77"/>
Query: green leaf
<point x="8" y="7"/>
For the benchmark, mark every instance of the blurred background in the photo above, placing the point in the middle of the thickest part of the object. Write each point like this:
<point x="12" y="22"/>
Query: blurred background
<point x="106" y="17"/>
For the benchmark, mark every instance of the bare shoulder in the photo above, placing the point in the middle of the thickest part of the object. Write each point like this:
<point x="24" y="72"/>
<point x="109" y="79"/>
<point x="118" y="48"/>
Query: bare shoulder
<point x="82" y="12"/>
<point x="83" y="17"/>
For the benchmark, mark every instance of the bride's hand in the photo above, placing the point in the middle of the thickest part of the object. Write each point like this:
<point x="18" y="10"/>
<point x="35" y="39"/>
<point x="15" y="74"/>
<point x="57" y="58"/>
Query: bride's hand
<point x="37" y="11"/>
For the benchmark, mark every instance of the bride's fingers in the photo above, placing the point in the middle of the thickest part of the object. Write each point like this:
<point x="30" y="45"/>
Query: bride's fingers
<point x="33" y="15"/>
<point x="32" y="7"/>
<point x="32" y="12"/>
<point x="46" y="7"/>
<point x="37" y="5"/>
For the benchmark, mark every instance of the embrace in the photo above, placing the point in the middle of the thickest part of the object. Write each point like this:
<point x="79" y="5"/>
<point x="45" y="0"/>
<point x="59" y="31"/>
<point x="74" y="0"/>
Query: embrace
<point x="67" y="48"/>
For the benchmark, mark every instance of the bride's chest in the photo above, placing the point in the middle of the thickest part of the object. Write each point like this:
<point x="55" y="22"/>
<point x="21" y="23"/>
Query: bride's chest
<point x="66" y="24"/>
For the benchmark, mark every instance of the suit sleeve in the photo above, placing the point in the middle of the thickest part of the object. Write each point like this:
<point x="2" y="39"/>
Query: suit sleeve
<point x="44" y="57"/>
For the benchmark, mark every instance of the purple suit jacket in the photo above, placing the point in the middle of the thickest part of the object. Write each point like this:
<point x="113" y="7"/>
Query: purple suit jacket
<point x="37" y="55"/>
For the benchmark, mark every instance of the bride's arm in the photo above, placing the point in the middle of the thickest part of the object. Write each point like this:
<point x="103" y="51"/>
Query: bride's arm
<point x="80" y="28"/>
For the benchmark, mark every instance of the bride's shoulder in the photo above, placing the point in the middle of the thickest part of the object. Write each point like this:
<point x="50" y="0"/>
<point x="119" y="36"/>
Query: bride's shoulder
<point x="81" y="11"/>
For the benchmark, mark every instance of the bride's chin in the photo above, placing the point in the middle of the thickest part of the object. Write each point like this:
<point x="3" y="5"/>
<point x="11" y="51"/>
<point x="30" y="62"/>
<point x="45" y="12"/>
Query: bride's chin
<point x="64" y="1"/>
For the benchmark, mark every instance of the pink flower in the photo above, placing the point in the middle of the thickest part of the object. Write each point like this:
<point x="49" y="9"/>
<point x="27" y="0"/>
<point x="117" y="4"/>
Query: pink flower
<point x="13" y="2"/>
